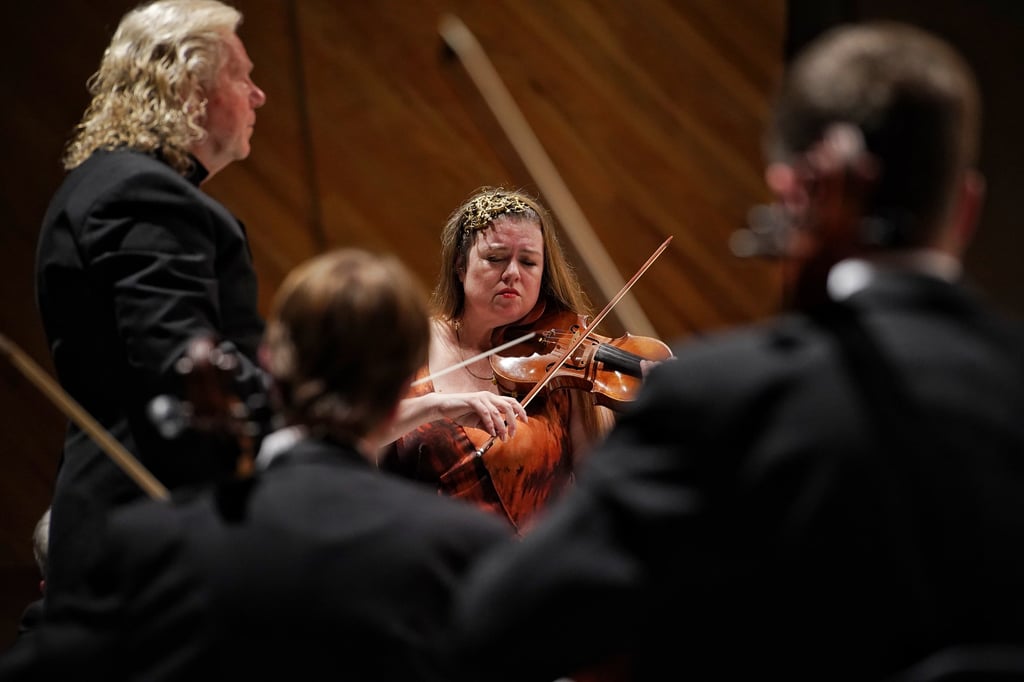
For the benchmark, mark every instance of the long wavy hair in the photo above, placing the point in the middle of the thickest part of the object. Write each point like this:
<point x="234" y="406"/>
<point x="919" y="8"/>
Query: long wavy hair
<point x="148" y="93"/>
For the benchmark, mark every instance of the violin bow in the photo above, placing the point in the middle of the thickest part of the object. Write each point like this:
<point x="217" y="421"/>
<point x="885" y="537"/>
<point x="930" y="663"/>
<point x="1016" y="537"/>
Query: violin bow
<point x="582" y="337"/>
<point x="483" y="74"/>
<point x="74" y="411"/>
<point x="480" y="356"/>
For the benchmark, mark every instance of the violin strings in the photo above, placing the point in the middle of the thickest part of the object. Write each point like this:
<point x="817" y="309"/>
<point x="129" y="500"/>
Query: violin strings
<point x="561" y="334"/>
<point x="613" y="357"/>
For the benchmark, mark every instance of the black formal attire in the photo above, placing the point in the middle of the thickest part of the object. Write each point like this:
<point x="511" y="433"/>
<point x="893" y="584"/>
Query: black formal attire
<point x="31" y="616"/>
<point x="828" y="496"/>
<point x="133" y="262"/>
<point x="320" y="567"/>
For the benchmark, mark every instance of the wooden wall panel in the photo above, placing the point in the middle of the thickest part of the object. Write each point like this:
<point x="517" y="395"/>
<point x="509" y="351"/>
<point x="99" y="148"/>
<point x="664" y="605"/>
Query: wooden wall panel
<point x="397" y="135"/>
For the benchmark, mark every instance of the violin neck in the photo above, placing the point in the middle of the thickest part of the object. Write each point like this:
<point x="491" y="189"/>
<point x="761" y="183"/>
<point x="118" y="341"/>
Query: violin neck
<point x="619" y="360"/>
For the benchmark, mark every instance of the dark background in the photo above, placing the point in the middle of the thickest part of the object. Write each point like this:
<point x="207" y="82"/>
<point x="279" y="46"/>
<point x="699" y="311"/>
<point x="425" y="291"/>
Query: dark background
<point x="650" y="111"/>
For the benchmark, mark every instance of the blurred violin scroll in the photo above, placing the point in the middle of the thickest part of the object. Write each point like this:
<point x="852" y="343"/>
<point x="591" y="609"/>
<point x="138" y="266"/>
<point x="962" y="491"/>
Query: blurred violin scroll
<point x="822" y="216"/>
<point x="211" y="403"/>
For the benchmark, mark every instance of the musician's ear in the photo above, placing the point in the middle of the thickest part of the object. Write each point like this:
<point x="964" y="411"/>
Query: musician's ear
<point x="967" y="209"/>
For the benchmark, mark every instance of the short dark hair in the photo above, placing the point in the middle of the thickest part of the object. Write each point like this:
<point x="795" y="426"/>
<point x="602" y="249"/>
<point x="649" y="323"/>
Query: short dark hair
<point x="913" y="97"/>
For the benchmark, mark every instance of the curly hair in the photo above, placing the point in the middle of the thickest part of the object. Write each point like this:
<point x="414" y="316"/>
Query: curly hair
<point x="148" y="93"/>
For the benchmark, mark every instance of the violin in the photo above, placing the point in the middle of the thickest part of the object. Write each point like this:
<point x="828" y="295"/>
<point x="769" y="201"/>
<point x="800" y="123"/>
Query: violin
<point x="555" y="359"/>
<point x="611" y="369"/>
<point x="212" y="404"/>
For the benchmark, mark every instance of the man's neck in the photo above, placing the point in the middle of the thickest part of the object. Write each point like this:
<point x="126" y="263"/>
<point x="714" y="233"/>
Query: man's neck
<point x="209" y="162"/>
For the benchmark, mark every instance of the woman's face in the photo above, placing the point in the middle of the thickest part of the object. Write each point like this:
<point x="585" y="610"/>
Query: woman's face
<point x="502" y="274"/>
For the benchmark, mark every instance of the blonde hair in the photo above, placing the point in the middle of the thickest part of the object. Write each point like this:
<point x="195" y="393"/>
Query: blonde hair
<point x="346" y="332"/>
<point x="148" y="93"/>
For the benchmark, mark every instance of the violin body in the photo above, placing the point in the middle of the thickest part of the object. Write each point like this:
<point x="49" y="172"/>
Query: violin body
<point x="611" y="369"/>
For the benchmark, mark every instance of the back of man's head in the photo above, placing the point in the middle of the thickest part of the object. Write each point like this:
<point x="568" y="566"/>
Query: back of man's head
<point x="346" y="332"/>
<point x="914" y="99"/>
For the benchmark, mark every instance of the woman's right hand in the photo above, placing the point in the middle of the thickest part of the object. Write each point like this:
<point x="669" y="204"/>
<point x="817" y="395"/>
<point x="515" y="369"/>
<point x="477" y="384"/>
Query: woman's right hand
<point x="490" y="412"/>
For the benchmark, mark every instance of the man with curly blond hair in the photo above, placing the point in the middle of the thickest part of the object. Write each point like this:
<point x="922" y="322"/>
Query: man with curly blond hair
<point x="134" y="260"/>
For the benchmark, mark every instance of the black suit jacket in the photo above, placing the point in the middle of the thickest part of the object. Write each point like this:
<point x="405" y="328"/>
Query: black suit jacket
<point x="826" y="497"/>
<point x="133" y="262"/>
<point x="320" y="566"/>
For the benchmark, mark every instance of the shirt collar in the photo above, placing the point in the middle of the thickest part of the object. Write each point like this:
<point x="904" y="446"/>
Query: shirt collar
<point x="277" y="443"/>
<point x="197" y="173"/>
<point x="849" y="276"/>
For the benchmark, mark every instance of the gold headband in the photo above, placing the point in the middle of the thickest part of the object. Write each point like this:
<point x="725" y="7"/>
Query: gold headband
<point x="487" y="207"/>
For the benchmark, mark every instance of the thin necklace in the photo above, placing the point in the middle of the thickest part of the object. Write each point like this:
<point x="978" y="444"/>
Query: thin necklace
<point x="458" y="325"/>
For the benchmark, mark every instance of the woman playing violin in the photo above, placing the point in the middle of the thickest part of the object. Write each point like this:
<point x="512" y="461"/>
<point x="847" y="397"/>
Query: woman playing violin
<point x="501" y="265"/>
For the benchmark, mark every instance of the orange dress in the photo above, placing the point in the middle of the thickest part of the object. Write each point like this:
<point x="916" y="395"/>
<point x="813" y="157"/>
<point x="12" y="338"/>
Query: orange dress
<point x="513" y="479"/>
